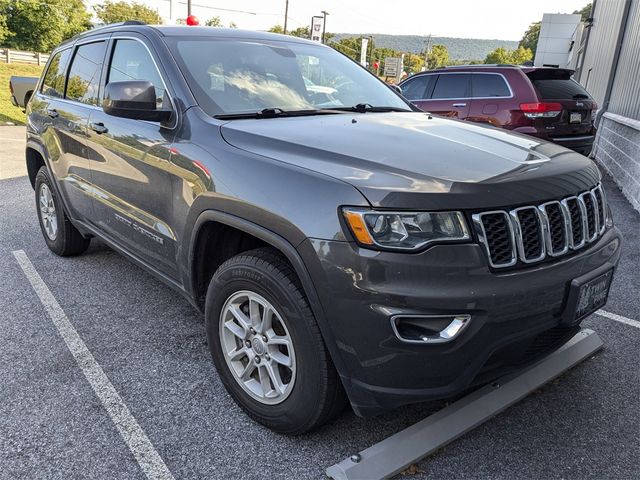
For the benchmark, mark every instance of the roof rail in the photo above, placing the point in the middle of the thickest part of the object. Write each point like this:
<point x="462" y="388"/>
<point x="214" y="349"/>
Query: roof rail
<point x="480" y="65"/>
<point x="108" y="25"/>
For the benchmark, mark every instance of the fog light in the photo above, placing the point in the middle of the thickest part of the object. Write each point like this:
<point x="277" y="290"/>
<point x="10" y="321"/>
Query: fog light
<point x="429" y="328"/>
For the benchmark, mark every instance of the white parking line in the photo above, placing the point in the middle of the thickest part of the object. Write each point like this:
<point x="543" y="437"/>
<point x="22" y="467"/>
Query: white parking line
<point x="143" y="450"/>
<point x="619" y="318"/>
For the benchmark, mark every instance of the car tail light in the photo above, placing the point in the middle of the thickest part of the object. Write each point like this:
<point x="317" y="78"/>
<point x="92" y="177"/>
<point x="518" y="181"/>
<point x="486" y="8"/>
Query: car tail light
<point x="541" y="110"/>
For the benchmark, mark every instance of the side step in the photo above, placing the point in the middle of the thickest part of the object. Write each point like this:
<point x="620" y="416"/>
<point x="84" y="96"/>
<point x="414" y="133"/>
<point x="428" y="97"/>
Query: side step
<point x="392" y="455"/>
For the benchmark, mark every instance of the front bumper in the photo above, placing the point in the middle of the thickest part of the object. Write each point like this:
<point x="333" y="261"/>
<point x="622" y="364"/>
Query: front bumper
<point x="360" y="290"/>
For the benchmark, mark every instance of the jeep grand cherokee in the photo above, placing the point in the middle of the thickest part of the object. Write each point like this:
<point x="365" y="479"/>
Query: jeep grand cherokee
<point x="341" y="244"/>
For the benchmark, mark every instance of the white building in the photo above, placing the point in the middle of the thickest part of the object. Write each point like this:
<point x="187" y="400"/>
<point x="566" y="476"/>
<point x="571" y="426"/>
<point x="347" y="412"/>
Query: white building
<point x="558" y="34"/>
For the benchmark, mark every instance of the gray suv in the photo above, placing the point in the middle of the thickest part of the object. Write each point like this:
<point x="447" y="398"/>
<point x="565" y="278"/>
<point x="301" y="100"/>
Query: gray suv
<point x="342" y="245"/>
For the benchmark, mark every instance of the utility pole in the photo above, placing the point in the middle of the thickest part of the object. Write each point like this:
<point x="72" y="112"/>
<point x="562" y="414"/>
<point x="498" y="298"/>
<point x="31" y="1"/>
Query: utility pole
<point x="427" y="51"/>
<point x="370" y="53"/>
<point x="286" y="15"/>
<point x="188" y="8"/>
<point x="324" y="23"/>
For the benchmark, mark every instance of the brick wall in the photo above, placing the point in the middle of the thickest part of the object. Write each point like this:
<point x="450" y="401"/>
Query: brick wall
<point x="617" y="151"/>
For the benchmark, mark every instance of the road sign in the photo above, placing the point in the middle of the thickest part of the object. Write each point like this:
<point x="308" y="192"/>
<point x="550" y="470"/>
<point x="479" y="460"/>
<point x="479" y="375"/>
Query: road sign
<point x="392" y="66"/>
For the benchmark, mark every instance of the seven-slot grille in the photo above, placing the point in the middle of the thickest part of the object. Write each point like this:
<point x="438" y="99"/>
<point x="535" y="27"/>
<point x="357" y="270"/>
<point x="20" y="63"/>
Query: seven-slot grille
<point x="532" y="233"/>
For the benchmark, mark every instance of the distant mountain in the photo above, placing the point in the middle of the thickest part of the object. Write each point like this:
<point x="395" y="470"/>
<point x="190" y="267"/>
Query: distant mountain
<point x="459" y="48"/>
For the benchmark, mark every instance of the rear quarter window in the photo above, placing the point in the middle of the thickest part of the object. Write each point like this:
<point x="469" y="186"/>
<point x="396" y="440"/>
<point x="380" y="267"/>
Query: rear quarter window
<point x="53" y="83"/>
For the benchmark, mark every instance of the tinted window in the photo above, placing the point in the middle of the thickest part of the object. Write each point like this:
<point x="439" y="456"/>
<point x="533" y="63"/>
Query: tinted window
<point x="418" y="88"/>
<point x="452" y="86"/>
<point x="84" y="75"/>
<point x="53" y="83"/>
<point x="236" y="76"/>
<point x="132" y="61"/>
<point x="560" y="89"/>
<point x="489" y="85"/>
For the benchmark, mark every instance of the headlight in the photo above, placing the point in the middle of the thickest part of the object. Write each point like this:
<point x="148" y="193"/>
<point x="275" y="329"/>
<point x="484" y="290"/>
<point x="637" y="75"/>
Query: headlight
<point x="405" y="230"/>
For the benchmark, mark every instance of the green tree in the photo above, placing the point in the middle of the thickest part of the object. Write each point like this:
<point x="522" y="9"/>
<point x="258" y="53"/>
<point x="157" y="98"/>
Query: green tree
<point x="505" y="56"/>
<point x="437" y="57"/>
<point x="413" y="63"/>
<point x="276" y="29"/>
<point x="39" y="26"/>
<point x="530" y="38"/>
<point x="216" y="22"/>
<point x="113" y="12"/>
<point x="585" y="12"/>
<point x="521" y="55"/>
<point x="213" y="22"/>
<point x="4" y="31"/>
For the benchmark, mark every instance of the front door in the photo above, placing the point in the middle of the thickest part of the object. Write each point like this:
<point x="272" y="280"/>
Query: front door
<point x="131" y="168"/>
<point x="451" y="96"/>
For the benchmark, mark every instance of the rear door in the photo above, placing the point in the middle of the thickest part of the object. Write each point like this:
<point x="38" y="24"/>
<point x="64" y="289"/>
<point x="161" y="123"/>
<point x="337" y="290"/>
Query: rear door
<point x="555" y="85"/>
<point x="71" y="118"/>
<point x="491" y="100"/>
<point x="451" y="95"/>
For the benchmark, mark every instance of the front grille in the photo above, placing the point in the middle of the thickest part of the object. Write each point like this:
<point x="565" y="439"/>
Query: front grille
<point x="532" y="233"/>
<point x="498" y="238"/>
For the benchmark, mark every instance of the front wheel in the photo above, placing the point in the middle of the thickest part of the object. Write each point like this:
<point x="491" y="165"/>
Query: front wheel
<point x="266" y="344"/>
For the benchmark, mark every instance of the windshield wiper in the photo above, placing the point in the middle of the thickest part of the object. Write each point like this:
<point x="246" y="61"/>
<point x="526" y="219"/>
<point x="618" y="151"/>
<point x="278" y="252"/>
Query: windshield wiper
<point x="580" y="95"/>
<point x="367" y="107"/>
<point x="274" y="113"/>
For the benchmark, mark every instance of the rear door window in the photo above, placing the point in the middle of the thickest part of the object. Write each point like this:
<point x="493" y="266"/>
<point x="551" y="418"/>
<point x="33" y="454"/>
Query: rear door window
<point x="452" y="86"/>
<point x="419" y="87"/>
<point x="485" y="85"/>
<point x="84" y="74"/>
<point x="53" y="83"/>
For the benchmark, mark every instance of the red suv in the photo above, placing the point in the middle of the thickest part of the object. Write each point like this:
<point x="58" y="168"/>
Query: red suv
<point x="542" y="102"/>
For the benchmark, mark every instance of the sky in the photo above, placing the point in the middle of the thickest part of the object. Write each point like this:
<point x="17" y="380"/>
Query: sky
<point x="491" y="19"/>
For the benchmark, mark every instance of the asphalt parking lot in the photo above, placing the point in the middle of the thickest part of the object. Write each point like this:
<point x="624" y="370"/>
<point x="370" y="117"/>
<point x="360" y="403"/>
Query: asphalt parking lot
<point x="151" y="345"/>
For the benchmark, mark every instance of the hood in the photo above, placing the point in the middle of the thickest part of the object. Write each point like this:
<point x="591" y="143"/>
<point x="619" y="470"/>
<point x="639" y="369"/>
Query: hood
<point x="410" y="160"/>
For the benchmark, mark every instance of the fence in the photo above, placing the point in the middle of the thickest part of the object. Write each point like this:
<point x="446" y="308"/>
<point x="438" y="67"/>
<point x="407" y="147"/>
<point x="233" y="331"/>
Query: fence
<point x="16" y="56"/>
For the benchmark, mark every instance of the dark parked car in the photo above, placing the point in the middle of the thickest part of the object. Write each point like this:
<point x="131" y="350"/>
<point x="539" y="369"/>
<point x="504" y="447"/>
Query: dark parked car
<point x="543" y="102"/>
<point x="342" y="247"/>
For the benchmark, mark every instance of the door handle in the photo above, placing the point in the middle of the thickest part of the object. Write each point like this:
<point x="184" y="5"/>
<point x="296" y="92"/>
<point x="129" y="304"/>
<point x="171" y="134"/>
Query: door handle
<point x="459" y="105"/>
<point x="98" y="127"/>
<point x="52" y="112"/>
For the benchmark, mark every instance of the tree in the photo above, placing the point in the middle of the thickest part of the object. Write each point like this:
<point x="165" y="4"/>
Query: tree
<point x="213" y="22"/>
<point x="530" y="38"/>
<point x="216" y="22"/>
<point x="4" y="31"/>
<point x="437" y="57"/>
<point x="413" y="63"/>
<point x="505" y="56"/>
<point x="585" y="12"/>
<point x="40" y="26"/>
<point x="276" y="29"/>
<point x="113" y="12"/>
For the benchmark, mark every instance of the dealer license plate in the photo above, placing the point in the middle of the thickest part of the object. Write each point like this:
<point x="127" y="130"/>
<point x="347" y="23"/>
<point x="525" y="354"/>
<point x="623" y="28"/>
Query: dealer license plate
<point x="593" y="295"/>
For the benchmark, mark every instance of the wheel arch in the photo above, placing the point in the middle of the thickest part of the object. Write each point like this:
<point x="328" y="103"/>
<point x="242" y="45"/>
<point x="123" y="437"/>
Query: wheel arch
<point x="282" y="245"/>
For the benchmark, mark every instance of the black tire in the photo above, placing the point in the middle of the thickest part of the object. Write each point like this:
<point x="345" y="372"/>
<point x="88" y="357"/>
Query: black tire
<point x="317" y="395"/>
<point x="68" y="240"/>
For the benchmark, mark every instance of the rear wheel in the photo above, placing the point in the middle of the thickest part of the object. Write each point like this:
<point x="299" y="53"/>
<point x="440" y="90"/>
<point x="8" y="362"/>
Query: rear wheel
<point x="60" y="235"/>
<point x="266" y="344"/>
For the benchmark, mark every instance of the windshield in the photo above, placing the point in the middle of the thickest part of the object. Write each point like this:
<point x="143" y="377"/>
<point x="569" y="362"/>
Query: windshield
<point x="243" y="76"/>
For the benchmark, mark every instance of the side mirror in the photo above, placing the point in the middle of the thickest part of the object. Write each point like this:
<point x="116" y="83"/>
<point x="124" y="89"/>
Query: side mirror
<point x="397" y="89"/>
<point x="134" y="99"/>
